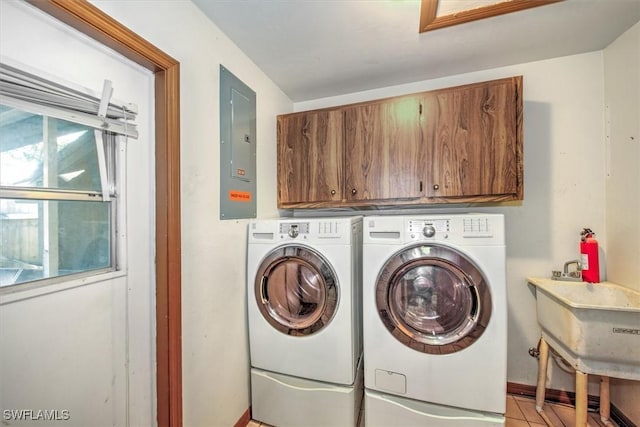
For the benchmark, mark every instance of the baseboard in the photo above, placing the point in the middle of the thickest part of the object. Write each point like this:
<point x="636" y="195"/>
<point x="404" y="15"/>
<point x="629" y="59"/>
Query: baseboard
<point x="621" y="419"/>
<point x="567" y="397"/>
<point x="244" y="419"/>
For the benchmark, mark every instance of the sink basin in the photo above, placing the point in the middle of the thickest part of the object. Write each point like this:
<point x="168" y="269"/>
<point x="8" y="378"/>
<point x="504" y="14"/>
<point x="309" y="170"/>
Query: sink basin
<point x="594" y="327"/>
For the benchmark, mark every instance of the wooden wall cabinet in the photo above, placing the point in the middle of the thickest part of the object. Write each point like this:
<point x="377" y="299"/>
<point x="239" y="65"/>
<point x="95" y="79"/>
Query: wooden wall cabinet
<point x="384" y="159"/>
<point x="310" y="158"/>
<point x="454" y="145"/>
<point x="473" y="136"/>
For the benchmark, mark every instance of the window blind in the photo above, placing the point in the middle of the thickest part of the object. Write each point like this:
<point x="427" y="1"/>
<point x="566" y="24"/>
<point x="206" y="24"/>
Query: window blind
<point x="28" y="91"/>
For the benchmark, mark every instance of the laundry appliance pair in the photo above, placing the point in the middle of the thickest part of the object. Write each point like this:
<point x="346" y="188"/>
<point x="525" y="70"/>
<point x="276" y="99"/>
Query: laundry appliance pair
<point x="433" y="307"/>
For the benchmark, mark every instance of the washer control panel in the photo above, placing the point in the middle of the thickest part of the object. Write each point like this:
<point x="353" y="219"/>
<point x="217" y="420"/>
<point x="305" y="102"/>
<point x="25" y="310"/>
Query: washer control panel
<point x="428" y="228"/>
<point x="293" y="230"/>
<point x="468" y="229"/>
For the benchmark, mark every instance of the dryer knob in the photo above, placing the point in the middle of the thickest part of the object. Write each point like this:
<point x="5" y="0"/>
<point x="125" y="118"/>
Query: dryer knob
<point x="293" y="232"/>
<point x="429" y="231"/>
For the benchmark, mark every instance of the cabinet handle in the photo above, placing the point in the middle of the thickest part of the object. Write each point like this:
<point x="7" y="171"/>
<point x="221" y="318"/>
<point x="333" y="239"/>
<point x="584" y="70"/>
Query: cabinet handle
<point x="354" y="191"/>
<point x="436" y="187"/>
<point x="333" y="192"/>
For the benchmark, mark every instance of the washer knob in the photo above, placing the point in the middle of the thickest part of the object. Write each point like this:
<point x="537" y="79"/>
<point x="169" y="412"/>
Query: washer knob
<point x="429" y="231"/>
<point x="293" y="232"/>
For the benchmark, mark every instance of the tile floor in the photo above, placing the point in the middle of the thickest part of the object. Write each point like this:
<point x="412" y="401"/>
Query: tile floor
<point x="521" y="412"/>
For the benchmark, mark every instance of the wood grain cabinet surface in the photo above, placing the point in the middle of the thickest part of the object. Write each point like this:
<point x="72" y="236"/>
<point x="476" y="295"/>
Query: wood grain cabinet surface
<point x="383" y="150"/>
<point x="473" y="137"/>
<point x="310" y="157"/>
<point x="454" y="145"/>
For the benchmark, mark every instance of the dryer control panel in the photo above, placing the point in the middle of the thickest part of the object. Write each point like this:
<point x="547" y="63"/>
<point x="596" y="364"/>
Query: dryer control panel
<point x="320" y="229"/>
<point x="342" y="230"/>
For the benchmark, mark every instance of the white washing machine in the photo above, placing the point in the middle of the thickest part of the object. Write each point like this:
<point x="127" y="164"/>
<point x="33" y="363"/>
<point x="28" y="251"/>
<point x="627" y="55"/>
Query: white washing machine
<point x="304" y="290"/>
<point x="435" y="320"/>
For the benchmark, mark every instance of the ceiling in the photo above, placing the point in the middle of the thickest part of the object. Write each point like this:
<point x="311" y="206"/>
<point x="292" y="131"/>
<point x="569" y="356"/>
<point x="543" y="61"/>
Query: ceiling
<point x="319" y="48"/>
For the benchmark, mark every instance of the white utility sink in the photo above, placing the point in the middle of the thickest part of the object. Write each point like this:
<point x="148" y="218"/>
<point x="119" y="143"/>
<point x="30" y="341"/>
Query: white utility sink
<point x="594" y="327"/>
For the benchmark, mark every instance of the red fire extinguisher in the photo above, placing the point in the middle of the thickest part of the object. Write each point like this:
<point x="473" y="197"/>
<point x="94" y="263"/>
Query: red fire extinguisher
<point x="589" y="256"/>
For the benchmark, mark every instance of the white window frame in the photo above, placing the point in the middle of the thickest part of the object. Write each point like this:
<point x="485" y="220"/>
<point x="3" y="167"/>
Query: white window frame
<point x="116" y="198"/>
<point x="112" y="165"/>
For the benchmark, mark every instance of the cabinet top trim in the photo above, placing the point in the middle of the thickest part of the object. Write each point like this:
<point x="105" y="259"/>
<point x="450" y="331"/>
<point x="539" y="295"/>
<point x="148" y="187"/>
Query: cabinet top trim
<point x="516" y="80"/>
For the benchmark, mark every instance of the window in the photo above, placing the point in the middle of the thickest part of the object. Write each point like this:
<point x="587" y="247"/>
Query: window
<point x="58" y="191"/>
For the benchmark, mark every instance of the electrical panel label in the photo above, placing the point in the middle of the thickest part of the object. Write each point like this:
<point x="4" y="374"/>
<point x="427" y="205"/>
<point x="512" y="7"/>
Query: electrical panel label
<point x="239" y="196"/>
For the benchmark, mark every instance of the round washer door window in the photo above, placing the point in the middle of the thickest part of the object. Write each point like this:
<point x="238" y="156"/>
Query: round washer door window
<point x="433" y="299"/>
<point x="296" y="290"/>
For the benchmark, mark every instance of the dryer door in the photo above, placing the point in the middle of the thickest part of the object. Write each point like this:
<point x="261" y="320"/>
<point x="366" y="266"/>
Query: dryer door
<point x="433" y="299"/>
<point x="296" y="290"/>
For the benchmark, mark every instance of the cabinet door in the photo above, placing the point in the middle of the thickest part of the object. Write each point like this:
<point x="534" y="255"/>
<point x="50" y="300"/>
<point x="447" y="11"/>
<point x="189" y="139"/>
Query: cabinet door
<point x="310" y="154"/>
<point x="472" y="133"/>
<point x="383" y="150"/>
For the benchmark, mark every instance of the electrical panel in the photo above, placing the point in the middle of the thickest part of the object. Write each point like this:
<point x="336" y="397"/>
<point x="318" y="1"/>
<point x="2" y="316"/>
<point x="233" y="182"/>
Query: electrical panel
<point x="237" y="148"/>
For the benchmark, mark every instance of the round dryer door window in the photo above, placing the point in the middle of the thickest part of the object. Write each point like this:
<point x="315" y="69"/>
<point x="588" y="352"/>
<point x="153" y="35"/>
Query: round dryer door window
<point x="433" y="299"/>
<point x="296" y="290"/>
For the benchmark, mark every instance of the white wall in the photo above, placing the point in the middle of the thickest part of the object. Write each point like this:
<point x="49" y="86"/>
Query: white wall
<point x="622" y="97"/>
<point x="564" y="182"/>
<point x="85" y="346"/>
<point x="622" y="90"/>
<point x="215" y="348"/>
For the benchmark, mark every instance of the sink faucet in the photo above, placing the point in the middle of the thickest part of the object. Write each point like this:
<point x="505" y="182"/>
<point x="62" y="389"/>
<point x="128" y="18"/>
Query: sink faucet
<point x="568" y="263"/>
<point x="573" y="276"/>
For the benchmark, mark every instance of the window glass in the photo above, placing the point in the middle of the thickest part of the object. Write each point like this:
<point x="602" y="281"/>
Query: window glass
<point x="43" y="239"/>
<point x="43" y="152"/>
<point x="53" y="220"/>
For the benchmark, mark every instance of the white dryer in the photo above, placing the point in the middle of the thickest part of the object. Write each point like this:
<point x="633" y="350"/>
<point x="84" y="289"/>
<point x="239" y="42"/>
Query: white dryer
<point x="435" y="320"/>
<point x="303" y="302"/>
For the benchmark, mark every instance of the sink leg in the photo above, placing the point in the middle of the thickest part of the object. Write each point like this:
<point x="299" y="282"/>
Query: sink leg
<point x="582" y="382"/>
<point x="605" y="401"/>
<point x="543" y="361"/>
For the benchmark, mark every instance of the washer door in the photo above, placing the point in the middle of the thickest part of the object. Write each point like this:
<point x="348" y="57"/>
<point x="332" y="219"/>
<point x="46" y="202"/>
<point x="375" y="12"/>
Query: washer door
<point x="296" y="290"/>
<point x="433" y="299"/>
